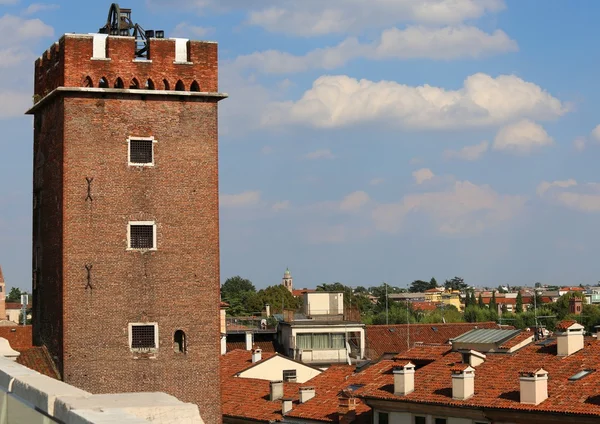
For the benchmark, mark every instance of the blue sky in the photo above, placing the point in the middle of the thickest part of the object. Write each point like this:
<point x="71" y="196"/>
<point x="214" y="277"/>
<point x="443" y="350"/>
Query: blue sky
<point x="368" y="141"/>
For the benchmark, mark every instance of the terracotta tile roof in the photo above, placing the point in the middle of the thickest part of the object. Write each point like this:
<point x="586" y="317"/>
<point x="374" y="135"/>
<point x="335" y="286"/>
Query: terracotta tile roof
<point x="224" y="305"/>
<point x="458" y="368"/>
<point x="248" y="398"/>
<point x="520" y="338"/>
<point x="564" y="325"/>
<point x="38" y="359"/>
<point x="425" y="306"/>
<point x="300" y="292"/>
<point x="578" y="289"/>
<point x="266" y="346"/>
<point x="497" y="381"/>
<point x="381" y="339"/>
<point x="423" y="353"/>
<point x="329" y="385"/>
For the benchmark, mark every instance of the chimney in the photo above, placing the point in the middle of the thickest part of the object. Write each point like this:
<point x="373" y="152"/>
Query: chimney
<point x="256" y="355"/>
<point x="472" y="357"/>
<point x="346" y="410"/>
<point x="223" y="344"/>
<point x="249" y="340"/>
<point x="306" y="394"/>
<point x="569" y="338"/>
<point x="268" y="310"/>
<point x="286" y="405"/>
<point x="534" y="386"/>
<point x="404" y="379"/>
<point x="276" y="390"/>
<point x="463" y="382"/>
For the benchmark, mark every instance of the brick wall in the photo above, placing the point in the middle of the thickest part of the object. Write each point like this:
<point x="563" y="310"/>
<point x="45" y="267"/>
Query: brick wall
<point x="19" y="337"/>
<point x="176" y="286"/>
<point x="56" y="68"/>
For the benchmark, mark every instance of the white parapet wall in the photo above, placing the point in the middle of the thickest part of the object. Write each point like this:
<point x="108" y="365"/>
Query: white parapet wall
<point x="27" y="396"/>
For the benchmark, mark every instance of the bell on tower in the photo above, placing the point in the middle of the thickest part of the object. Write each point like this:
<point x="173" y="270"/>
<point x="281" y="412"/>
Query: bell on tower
<point x="287" y="281"/>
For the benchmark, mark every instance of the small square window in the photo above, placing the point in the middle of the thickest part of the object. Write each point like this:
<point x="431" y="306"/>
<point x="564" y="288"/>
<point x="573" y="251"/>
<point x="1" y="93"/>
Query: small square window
<point x="420" y="420"/>
<point x="142" y="235"/>
<point x="143" y="337"/>
<point x="440" y="421"/>
<point x="383" y="417"/>
<point x="141" y="151"/>
<point x="289" y="375"/>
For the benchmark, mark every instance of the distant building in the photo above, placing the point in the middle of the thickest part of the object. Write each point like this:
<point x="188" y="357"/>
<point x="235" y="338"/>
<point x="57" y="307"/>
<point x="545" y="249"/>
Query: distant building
<point x="287" y="281"/>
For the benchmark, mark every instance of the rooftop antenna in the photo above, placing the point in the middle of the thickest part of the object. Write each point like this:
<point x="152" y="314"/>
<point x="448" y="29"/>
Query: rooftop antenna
<point x="386" y="305"/>
<point x="119" y="23"/>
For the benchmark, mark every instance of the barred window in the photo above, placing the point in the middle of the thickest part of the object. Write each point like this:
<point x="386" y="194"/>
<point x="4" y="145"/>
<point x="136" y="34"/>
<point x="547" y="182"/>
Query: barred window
<point x="143" y="336"/>
<point x="289" y="375"/>
<point x="141" y="236"/>
<point x="141" y="152"/>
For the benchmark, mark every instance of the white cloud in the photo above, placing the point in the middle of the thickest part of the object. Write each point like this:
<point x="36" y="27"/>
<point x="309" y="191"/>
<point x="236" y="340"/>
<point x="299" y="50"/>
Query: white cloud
<point x="422" y="175"/>
<point x="469" y="153"/>
<point x="339" y="101"/>
<point x="412" y="42"/>
<point x="247" y="198"/>
<point x="570" y="194"/>
<point x="544" y="186"/>
<point x="185" y="29"/>
<point x="313" y="17"/>
<point x="280" y="206"/>
<point x="415" y="161"/>
<point x="354" y="201"/>
<point x="465" y="208"/>
<point x="320" y="154"/>
<point x="596" y="133"/>
<point x="522" y="137"/>
<point x="34" y="8"/>
<point x="579" y="143"/>
<point x="23" y="29"/>
<point x="377" y="181"/>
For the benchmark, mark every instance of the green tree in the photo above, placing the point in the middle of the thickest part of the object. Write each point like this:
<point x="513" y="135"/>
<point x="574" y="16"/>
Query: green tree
<point x="493" y="304"/>
<point x="235" y="286"/>
<point x="433" y="283"/>
<point x="480" y="303"/>
<point x="456" y="283"/>
<point x="419" y="286"/>
<point x="504" y="308"/>
<point x="519" y="303"/>
<point x="278" y="297"/>
<point x="14" y="295"/>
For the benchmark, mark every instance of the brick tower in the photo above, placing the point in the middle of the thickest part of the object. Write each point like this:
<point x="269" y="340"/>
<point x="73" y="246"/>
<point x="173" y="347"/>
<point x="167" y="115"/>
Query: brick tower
<point x="126" y="216"/>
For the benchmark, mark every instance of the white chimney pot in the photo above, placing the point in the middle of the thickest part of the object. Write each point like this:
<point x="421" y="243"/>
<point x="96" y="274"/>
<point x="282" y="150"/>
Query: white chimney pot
<point x="404" y="379"/>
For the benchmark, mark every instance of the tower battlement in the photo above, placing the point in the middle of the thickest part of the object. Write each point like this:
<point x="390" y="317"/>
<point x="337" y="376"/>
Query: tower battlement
<point x="106" y="61"/>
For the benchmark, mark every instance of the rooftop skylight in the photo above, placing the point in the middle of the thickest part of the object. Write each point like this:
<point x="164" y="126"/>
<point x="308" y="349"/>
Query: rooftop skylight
<point x="580" y="375"/>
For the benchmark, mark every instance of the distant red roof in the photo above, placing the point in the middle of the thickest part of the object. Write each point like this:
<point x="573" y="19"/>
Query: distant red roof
<point x="425" y="306"/>
<point x="265" y="346"/>
<point x="19" y="336"/>
<point x="300" y="292"/>
<point x="38" y="359"/>
<point x="576" y="289"/>
<point x="381" y="339"/>
<point x="224" y="305"/>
